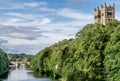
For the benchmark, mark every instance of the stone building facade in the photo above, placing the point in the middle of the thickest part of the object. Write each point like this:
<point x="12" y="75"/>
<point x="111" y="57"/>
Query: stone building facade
<point x="104" y="13"/>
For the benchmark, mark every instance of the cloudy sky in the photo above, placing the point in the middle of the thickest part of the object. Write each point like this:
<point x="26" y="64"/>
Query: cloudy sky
<point x="27" y="26"/>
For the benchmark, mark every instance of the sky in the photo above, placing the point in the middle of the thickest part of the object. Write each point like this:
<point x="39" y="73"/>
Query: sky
<point x="28" y="26"/>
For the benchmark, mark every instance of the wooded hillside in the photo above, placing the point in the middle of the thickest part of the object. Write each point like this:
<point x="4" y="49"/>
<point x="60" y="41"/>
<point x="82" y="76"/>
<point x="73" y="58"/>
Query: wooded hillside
<point x="94" y="55"/>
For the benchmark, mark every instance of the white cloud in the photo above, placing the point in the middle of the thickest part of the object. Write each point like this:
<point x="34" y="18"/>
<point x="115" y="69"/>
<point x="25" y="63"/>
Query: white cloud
<point x="14" y="20"/>
<point x="21" y="15"/>
<point x="41" y="40"/>
<point x="117" y="15"/>
<point x="16" y="35"/>
<point x="44" y="21"/>
<point x="18" y="19"/>
<point x="32" y="4"/>
<point x="18" y="41"/>
<point x="35" y="29"/>
<point x="77" y="1"/>
<point x="73" y="14"/>
<point x="23" y="5"/>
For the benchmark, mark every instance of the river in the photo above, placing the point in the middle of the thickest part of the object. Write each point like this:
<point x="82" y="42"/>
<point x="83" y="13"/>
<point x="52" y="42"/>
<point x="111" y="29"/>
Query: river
<point x="22" y="74"/>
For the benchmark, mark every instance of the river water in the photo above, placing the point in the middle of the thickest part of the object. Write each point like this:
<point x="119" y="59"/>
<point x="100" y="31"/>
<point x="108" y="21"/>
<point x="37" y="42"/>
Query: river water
<point x="21" y="74"/>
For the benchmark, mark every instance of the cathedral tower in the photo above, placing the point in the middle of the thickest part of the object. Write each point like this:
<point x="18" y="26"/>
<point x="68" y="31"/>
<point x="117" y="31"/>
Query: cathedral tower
<point x="104" y="13"/>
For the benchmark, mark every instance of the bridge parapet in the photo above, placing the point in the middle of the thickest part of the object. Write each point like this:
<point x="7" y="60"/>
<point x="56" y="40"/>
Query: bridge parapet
<point x="17" y="64"/>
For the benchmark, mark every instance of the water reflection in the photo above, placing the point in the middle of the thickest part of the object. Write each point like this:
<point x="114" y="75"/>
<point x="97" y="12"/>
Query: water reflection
<point x="4" y="76"/>
<point x="36" y="74"/>
<point x="21" y="74"/>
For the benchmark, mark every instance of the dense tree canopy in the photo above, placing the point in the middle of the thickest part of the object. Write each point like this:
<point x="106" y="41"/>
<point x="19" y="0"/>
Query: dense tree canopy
<point x="3" y="62"/>
<point x="92" y="56"/>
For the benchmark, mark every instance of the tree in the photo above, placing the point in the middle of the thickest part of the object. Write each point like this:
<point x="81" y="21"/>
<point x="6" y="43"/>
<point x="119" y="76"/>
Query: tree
<point x="3" y="62"/>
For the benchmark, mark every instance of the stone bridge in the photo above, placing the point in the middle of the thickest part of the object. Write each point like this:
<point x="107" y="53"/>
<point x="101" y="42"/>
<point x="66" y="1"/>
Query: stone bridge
<point x="17" y="64"/>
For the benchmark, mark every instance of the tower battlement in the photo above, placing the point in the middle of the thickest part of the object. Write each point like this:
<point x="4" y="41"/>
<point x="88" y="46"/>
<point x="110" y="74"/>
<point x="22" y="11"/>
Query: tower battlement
<point x="104" y="14"/>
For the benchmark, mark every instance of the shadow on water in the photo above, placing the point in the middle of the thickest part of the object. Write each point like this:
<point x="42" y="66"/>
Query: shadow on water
<point x="36" y="74"/>
<point x="4" y="76"/>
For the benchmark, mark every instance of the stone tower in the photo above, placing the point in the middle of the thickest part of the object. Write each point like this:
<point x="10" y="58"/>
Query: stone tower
<point x="104" y="13"/>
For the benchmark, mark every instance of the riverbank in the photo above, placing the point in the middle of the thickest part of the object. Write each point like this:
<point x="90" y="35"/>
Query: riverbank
<point x="3" y="73"/>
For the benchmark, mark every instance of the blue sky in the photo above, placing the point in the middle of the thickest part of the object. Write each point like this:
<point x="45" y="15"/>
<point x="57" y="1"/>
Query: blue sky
<point x="27" y="26"/>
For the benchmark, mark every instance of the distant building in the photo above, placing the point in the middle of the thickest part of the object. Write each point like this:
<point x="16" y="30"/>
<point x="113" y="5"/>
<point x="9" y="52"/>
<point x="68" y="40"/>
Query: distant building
<point x="104" y="13"/>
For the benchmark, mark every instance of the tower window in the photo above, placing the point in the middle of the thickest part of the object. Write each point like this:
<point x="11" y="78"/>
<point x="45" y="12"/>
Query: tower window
<point x="99" y="16"/>
<point x="109" y="13"/>
<point x="95" y="17"/>
<point x="102" y="14"/>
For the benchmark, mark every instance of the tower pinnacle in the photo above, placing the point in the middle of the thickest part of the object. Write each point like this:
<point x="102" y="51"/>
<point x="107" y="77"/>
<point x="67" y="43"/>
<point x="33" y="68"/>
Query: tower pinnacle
<point x="104" y="14"/>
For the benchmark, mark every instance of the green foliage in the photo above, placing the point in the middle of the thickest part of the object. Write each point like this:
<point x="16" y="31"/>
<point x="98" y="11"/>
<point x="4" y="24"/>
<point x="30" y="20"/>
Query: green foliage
<point x="112" y="58"/>
<point x="3" y="62"/>
<point x="80" y="76"/>
<point x="77" y="76"/>
<point x="92" y="56"/>
<point x="46" y="64"/>
<point x="19" y="57"/>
